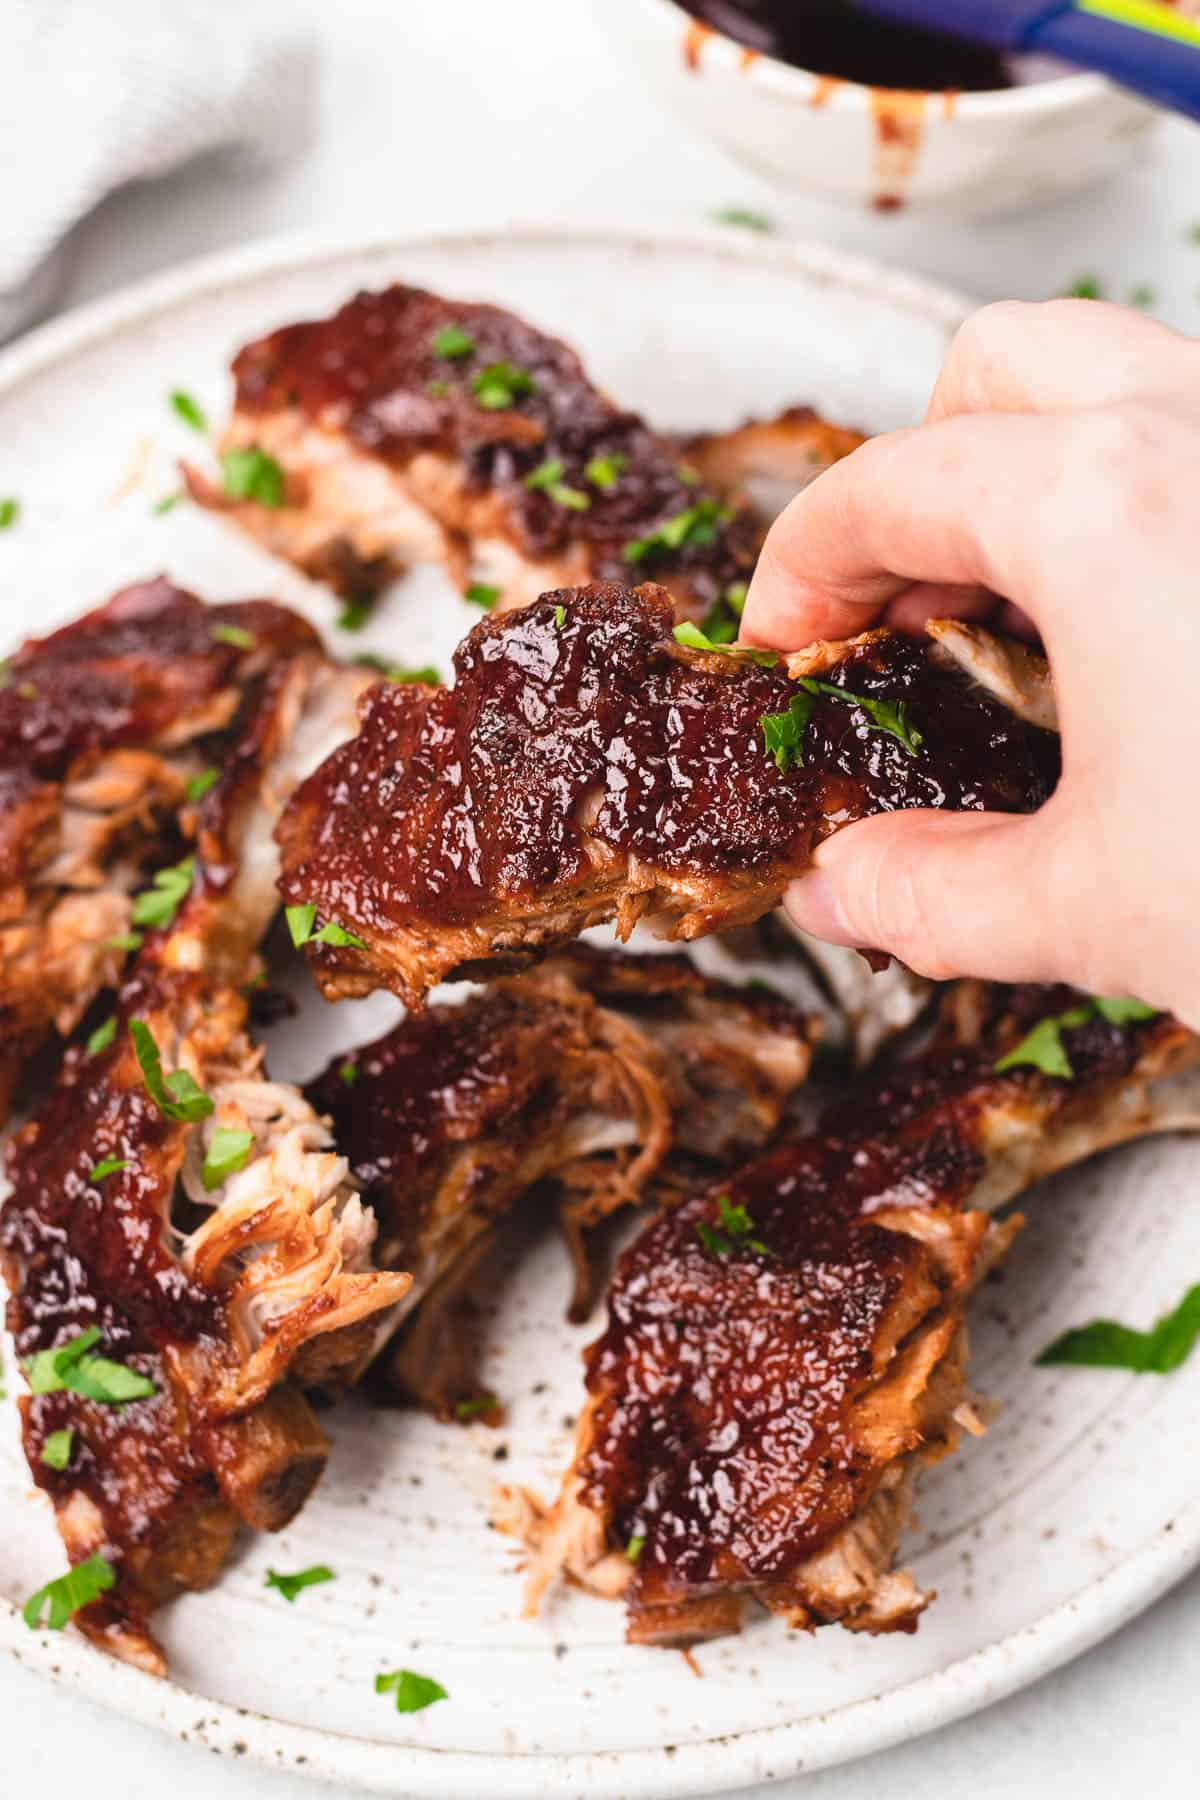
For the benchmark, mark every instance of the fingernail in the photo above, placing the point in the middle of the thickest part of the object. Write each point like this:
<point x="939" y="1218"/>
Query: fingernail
<point x="812" y="904"/>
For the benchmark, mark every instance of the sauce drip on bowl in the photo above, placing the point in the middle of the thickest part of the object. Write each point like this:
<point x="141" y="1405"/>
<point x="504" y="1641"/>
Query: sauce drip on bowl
<point x="831" y="37"/>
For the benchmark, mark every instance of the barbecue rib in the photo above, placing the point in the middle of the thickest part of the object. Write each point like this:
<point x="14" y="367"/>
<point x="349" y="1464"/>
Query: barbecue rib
<point x="584" y="1074"/>
<point x="587" y="766"/>
<point x="230" y="1294"/>
<point x="785" y="1350"/>
<point x="413" y="428"/>
<point x="102" y="725"/>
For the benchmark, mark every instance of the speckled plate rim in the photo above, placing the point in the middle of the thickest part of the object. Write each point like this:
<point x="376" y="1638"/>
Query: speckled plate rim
<point x="718" y="1764"/>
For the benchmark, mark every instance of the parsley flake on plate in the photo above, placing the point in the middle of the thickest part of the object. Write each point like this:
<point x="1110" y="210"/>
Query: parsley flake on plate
<point x="56" y="1451"/>
<point x="1042" y="1047"/>
<point x="301" y="919"/>
<point x="63" y="1597"/>
<point x="886" y="715"/>
<point x="228" y="1151"/>
<point x="694" y="639"/>
<point x="1105" y="1344"/>
<point x="736" y="1228"/>
<point x="178" y="1095"/>
<point x="695" y="525"/>
<point x="500" y="385"/>
<point x="102" y="1037"/>
<point x="249" y="473"/>
<point x="73" y="1369"/>
<point x="547" y="479"/>
<point x="354" y="615"/>
<point x="413" y="1692"/>
<point x="480" y="594"/>
<point x="452" y="342"/>
<point x="744" y="217"/>
<point x="783" y="733"/>
<point x="157" y="906"/>
<point x="200" y="784"/>
<point x="605" y="471"/>
<point x="235" y="635"/>
<point x="187" y="409"/>
<point x="635" y="1546"/>
<point x="110" y="1165"/>
<point x="10" y="512"/>
<point x="291" y="1585"/>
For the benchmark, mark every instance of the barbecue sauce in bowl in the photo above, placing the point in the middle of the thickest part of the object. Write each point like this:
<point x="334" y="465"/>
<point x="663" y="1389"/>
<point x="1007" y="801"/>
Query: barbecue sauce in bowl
<point x="831" y="37"/>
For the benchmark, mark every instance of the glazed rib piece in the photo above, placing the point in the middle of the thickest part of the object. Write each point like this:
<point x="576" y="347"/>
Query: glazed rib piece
<point x="584" y="1076"/>
<point x="587" y="766"/>
<point x="786" y="1350"/>
<point x="394" y="453"/>
<point x="229" y="1273"/>
<point x="102" y="725"/>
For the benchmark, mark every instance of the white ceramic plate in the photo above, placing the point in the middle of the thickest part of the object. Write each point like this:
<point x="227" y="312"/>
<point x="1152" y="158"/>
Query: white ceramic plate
<point x="1039" y="1539"/>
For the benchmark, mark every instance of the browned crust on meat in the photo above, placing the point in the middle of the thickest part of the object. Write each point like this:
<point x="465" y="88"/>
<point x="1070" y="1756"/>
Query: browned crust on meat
<point x="585" y="767"/>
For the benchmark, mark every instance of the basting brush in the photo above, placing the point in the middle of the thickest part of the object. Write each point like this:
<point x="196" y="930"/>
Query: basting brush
<point x="1144" y="45"/>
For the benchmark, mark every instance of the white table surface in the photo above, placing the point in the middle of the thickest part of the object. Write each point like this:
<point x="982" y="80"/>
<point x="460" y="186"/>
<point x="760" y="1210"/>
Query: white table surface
<point x="487" y="110"/>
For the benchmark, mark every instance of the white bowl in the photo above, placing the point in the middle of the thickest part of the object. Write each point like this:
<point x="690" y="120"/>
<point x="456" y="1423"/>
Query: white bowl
<point x="976" y="152"/>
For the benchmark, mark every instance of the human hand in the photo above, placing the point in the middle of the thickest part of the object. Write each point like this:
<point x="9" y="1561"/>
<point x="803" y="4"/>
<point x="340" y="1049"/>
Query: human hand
<point x="1056" y="479"/>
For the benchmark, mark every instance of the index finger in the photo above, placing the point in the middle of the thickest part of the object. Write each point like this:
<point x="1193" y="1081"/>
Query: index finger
<point x="947" y="503"/>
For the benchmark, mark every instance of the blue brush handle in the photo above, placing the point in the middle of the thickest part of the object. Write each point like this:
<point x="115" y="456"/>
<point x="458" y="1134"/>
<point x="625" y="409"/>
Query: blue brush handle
<point x="1162" y="68"/>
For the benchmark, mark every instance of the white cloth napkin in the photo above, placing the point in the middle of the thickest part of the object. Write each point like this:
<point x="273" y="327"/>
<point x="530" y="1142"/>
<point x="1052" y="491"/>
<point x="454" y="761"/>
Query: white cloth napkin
<point x="97" y="93"/>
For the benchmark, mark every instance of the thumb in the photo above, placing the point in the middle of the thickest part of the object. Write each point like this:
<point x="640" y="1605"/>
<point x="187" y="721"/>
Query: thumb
<point x="948" y="894"/>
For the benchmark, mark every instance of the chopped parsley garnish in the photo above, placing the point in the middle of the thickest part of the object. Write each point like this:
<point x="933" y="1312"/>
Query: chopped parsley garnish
<point x="167" y="504"/>
<point x="1085" y="287"/>
<point x="698" y="524"/>
<point x="291" y="1585"/>
<point x="413" y="1692"/>
<point x="354" y="615"/>
<point x="157" y="906"/>
<point x="108" y="1166"/>
<point x="187" y="409"/>
<point x="65" y="1595"/>
<point x="1193" y="233"/>
<point x="200" y="784"/>
<point x="397" y="672"/>
<point x="605" y="471"/>
<point x="547" y="479"/>
<point x="735" y="597"/>
<point x="177" y="1095"/>
<point x="102" y="1037"/>
<point x="1105" y="1344"/>
<point x="737" y="1225"/>
<point x="348" y="1073"/>
<point x="501" y="384"/>
<point x="719" y="624"/>
<point x="695" y="639"/>
<point x="73" y="1369"/>
<point x="1042" y="1047"/>
<point x="689" y="476"/>
<point x="741" y="215"/>
<point x="1142" y="295"/>
<point x="250" y="474"/>
<point x="302" y="918"/>
<point x="437" y="389"/>
<point x="10" y="512"/>
<point x="635" y="1546"/>
<point x="560" y="617"/>
<point x="236" y="635"/>
<point x="479" y="594"/>
<point x="56" y="1451"/>
<point x="128" y="940"/>
<point x="783" y="733"/>
<point x="886" y="715"/>
<point x="452" y="342"/>
<point x="228" y="1151"/>
<point x="473" y="1409"/>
